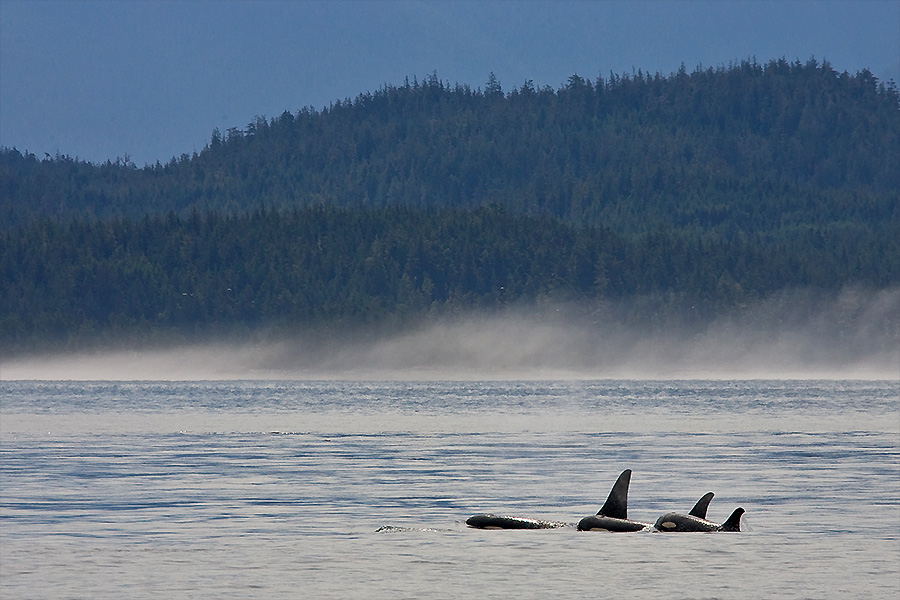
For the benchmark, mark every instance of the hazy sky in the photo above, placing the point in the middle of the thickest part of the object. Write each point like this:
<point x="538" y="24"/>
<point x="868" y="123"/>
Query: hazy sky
<point x="152" y="79"/>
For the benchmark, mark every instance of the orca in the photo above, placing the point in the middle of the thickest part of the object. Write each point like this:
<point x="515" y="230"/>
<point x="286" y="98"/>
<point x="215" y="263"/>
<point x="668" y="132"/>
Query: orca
<point x="488" y="521"/>
<point x="613" y="515"/>
<point x="696" y="519"/>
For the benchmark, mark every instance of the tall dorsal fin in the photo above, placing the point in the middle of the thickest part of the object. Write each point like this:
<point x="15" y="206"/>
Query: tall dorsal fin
<point x="699" y="509"/>
<point x="734" y="521"/>
<point x="617" y="503"/>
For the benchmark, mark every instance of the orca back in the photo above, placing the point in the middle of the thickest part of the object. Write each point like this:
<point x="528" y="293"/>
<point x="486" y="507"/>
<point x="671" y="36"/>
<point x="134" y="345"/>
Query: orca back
<point x="488" y="521"/>
<point x="604" y="523"/>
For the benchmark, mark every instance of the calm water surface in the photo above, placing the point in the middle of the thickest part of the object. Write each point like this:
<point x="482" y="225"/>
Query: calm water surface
<point x="336" y="490"/>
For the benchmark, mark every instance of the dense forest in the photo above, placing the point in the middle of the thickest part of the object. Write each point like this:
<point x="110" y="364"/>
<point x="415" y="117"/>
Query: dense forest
<point x="175" y="276"/>
<point x="705" y="189"/>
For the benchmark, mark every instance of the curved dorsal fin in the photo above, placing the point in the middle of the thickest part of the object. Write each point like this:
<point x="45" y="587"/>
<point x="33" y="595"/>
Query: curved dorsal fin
<point x="734" y="521"/>
<point x="699" y="509"/>
<point x="616" y="505"/>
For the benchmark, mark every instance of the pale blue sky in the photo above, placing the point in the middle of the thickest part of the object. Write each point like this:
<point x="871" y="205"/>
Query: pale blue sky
<point x="152" y="79"/>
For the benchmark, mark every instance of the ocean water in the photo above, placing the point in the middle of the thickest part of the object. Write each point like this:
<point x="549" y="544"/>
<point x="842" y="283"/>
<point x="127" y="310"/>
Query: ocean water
<point x="288" y="489"/>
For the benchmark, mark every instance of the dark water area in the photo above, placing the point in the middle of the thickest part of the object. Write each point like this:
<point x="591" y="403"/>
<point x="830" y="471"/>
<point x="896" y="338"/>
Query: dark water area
<point x="286" y="489"/>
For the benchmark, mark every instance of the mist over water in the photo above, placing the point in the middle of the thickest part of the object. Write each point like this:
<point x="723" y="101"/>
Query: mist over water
<point x="793" y="335"/>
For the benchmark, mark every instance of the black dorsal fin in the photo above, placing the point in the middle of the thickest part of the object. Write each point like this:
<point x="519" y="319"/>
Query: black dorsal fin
<point x="699" y="509"/>
<point x="617" y="503"/>
<point x="734" y="521"/>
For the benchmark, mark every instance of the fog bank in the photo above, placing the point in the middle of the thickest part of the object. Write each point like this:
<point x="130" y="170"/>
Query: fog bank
<point x="798" y="335"/>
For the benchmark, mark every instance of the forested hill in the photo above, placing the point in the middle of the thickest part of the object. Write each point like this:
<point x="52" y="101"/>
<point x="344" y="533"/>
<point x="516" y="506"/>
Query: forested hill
<point x="686" y="195"/>
<point x="751" y="147"/>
